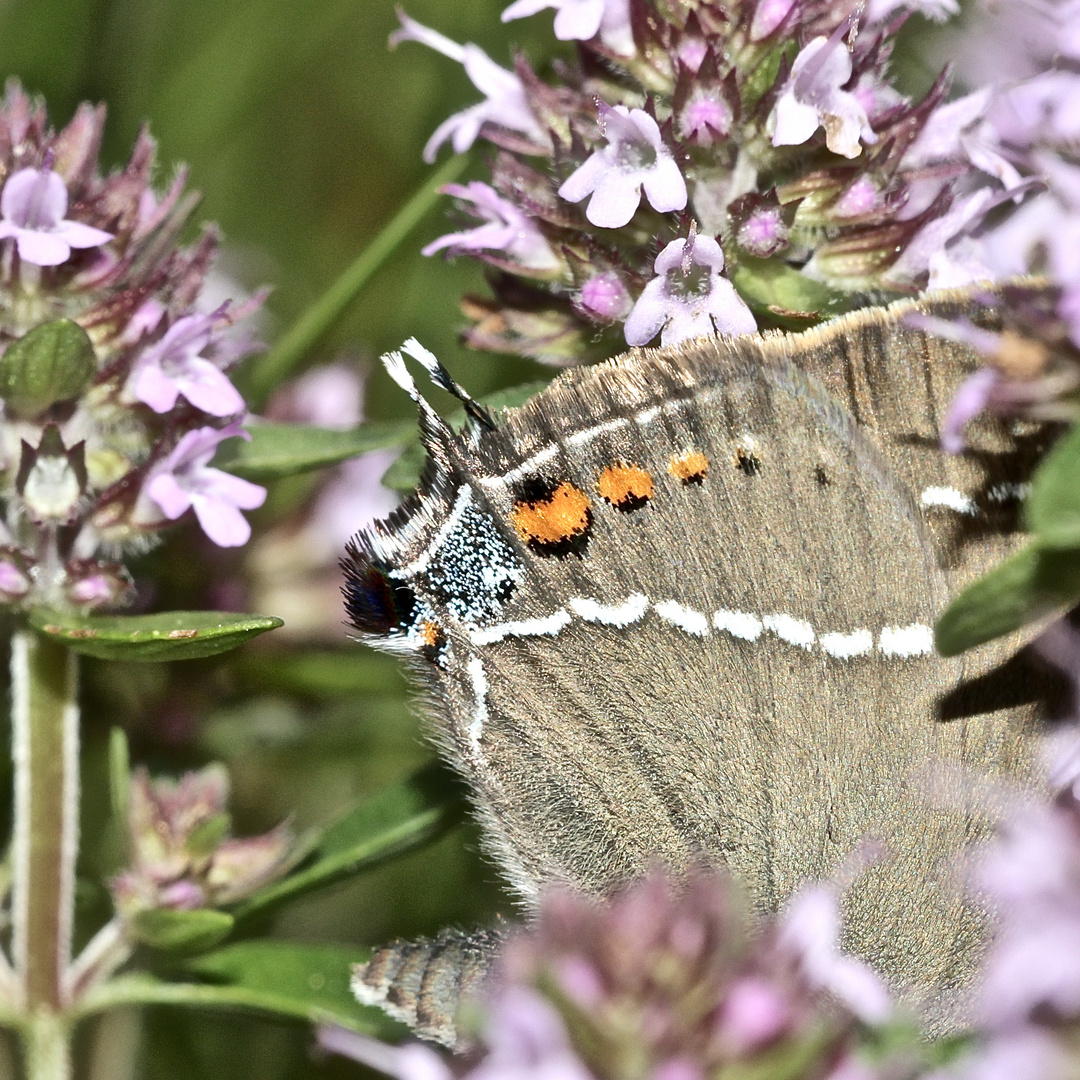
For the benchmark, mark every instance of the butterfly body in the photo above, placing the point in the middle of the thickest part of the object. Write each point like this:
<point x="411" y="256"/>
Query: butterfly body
<point x="679" y="608"/>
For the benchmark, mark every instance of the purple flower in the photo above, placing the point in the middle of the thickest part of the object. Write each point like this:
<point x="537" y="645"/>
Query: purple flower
<point x="754" y="1013"/>
<point x="327" y="396"/>
<point x="878" y="11"/>
<point x="183" y="480"/>
<point x="705" y="118"/>
<point x="975" y="394"/>
<point x="527" y="1040"/>
<point x="582" y="20"/>
<point x="635" y="157"/>
<point x="979" y="390"/>
<point x="506" y="229"/>
<point x="763" y="233"/>
<point x="33" y="204"/>
<point x="938" y="248"/>
<point x="689" y="297"/>
<point x="768" y="15"/>
<point x="813" y="98"/>
<point x="505" y="103"/>
<point x="524" y="1034"/>
<point x="173" y="367"/>
<point x="605" y="296"/>
<point x="181" y="854"/>
<point x="954" y="134"/>
<point x="1026" y="1054"/>
<point x="14" y="583"/>
<point x="413" y="1061"/>
<point x="810" y="928"/>
<point x="352" y="500"/>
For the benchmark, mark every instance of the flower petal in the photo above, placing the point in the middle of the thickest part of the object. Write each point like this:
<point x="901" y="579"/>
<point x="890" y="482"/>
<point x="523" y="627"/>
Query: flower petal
<point x="208" y="388"/>
<point x="42" y="248"/>
<point x="795" y="122"/>
<point x="243" y="493"/>
<point x="521" y="9"/>
<point x="648" y="315"/>
<point x="79" y="235"/>
<point x="34" y="198"/>
<point x="169" y="495"/>
<point x="664" y="185"/>
<point x="221" y="521"/>
<point x="685" y="323"/>
<point x="970" y="400"/>
<point x="150" y="385"/>
<point x="579" y="21"/>
<point x="615" y="200"/>
<point x="730" y="313"/>
<point x="583" y="180"/>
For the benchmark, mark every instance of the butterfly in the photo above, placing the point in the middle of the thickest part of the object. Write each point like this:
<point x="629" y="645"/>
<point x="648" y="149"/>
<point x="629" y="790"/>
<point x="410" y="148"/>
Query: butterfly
<point x="679" y="607"/>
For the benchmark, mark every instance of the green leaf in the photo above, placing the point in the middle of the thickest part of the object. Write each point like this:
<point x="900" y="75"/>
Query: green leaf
<point x="186" y="931"/>
<point x="768" y="284"/>
<point x="397" y="819"/>
<point x="404" y="473"/>
<point x="308" y="983"/>
<point x="119" y="776"/>
<point x="1052" y="509"/>
<point x="207" y="836"/>
<point x="168" y="635"/>
<point x="53" y="362"/>
<point x="277" y="450"/>
<point x="1029" y="585"/>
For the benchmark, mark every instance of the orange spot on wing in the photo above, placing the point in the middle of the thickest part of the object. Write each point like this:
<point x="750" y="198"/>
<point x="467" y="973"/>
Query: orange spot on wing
<point x="554" y="520"/>
<point x="691" y="466"/>
<point x="431" y="634"/>
<point x="626" y="487"/>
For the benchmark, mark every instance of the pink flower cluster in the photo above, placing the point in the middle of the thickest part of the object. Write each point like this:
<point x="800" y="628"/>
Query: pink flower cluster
<point x="663" y="981"/>
<point x="120" y="446"/>
<point x="663" y="147"/>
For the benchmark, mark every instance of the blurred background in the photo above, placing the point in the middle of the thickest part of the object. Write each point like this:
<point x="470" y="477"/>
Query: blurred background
<point x="304" y="133"/>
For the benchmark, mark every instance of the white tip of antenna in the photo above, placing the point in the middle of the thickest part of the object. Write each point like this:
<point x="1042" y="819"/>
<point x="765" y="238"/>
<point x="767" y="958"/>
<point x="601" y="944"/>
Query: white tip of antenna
<point x="422" y="355"/>
<point x="394" y="363"/>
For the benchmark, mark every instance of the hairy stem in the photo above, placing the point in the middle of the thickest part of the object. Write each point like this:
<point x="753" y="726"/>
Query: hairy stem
<point x="47" y="1047"/>
<point x="45" y="748"/>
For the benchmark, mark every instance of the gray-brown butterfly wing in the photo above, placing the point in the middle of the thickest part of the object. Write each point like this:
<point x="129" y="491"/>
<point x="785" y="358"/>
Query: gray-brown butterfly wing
<point x="727" y="658"/>
<point x="422" y="982"/>
<point x="898" y="383"/>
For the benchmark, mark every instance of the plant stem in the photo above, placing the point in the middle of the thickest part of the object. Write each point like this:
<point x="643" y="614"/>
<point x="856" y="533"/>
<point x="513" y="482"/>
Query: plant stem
<point x="47" y="1047"/>
<point x="281" y="361"/>
<point x="45" y="748"/>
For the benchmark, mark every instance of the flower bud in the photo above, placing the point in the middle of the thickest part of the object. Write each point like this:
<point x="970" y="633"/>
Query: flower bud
<point x="14" y="574"/>
<point x="181" y="854"/>
<point x="605" y="297"/>
<point x="53" y="362"/>
<point x="90" y="584"/>
<point x="52" y="478"/>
